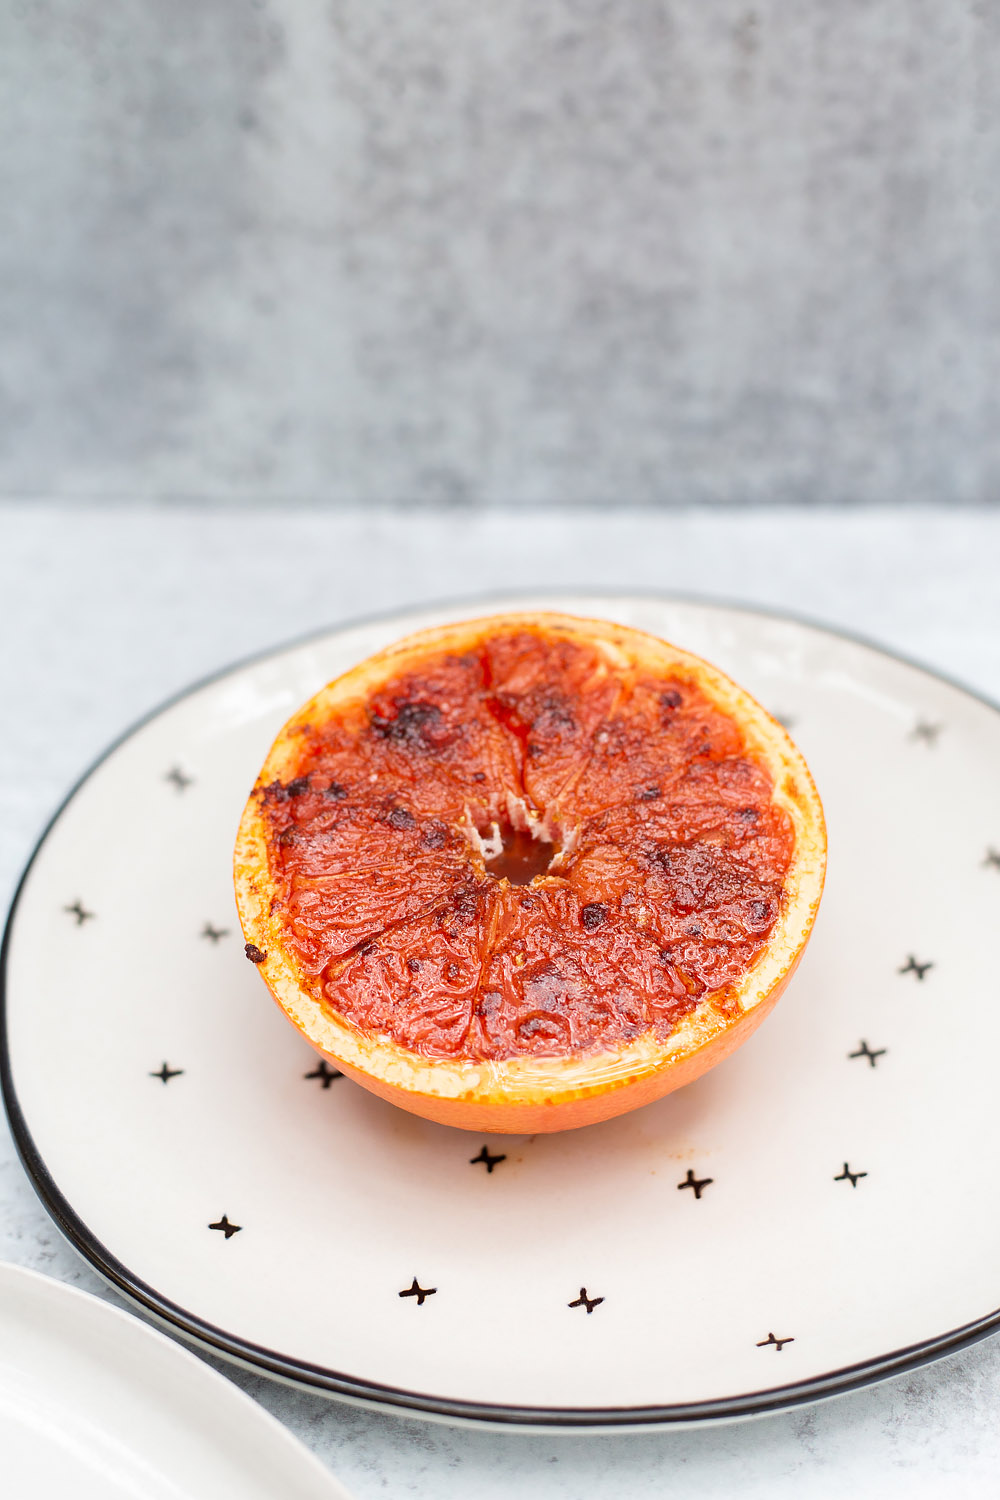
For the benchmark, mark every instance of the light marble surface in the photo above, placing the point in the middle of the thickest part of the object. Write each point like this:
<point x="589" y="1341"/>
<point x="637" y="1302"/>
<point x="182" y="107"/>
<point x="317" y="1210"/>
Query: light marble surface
<point x="656" y="250"/>
<point x="106" y="612"/>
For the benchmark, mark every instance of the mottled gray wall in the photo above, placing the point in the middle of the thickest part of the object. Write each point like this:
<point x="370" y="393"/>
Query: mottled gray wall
<point x="579" y="250"/>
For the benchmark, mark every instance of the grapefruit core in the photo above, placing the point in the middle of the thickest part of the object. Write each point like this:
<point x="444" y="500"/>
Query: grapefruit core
<point x="529" y="872"/>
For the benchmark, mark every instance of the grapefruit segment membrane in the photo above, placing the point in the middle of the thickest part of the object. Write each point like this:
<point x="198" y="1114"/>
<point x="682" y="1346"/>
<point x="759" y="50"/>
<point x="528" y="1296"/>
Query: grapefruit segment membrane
<point x="528" y="872"/>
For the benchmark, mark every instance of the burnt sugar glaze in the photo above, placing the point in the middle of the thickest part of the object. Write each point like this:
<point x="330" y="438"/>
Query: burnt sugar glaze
<point x="525" y="850"/>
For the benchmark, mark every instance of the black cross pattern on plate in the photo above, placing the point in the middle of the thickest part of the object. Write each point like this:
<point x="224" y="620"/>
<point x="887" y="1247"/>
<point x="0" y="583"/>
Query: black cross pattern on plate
<point x="80" y="912"/>
<point x="913" y="967"/>
<point x="227" y="1229"/>
<point x="848" y="1176"/>
<point x="992" y="859"/>
<point x="779" y="1344"/>
<point x="420" y="1292"/>
<point x="325" y="1072"/>
<point x="698" y="1184"/>
<point x="865" y="1051"/>
<point x="926" y="733"/>
<point x="488" y="1161"/>
<point x="213" y="934"/>
<point x="178" y="778"/>
<point x="584" y="1301"/>
<point x="165" y="1074"/>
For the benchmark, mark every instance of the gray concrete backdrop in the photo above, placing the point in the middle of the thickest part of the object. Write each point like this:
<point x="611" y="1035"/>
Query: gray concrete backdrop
<point x="578" y="251"/>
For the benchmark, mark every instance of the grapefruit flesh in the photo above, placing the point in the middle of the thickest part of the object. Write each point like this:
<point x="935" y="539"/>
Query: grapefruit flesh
<point x="529" y="872"/>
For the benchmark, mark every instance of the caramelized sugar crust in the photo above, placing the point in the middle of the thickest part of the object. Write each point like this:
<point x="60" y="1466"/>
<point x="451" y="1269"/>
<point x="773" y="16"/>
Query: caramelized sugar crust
<point x="525" y="849"/>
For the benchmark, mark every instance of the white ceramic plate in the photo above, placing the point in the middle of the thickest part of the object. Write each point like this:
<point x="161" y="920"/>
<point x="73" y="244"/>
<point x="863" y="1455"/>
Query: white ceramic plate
<point x="96" y="1405"/>
<point x="813" y="1214"/>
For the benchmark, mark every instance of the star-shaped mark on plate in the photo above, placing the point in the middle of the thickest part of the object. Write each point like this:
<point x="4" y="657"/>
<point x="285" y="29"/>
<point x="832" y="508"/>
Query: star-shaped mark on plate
<point x="584" y="1301"/>
<point x="779" y="1344"/>
<point x="865" y="1051"/>
<point x="925" y="732"/>
<point x="165" y="1074"/>
<point x="213" y="934"/>
<point x="179" y="779"/>
<point x="848" y="1176"/>
<point x="325" y="1072"/>
<point x="913" y="967"/>
<point x="488" y="1161"/>
<point x="697" y="1184"/>
<point x="227" y="1229"/>
<point x="420" y="1292"/>
<point x="992" y="859"/>
<point x="80" y="912"/>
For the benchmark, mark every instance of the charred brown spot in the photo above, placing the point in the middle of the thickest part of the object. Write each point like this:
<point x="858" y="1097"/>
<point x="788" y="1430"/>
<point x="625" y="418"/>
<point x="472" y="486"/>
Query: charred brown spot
<point x="594" y="915"/>
<point x="488" y="1004"/>
<point x="418" y="726"/>
<point x="253" y="953"/>
<point x="554" y="719"/>
<point x="287" y="836"/>
<point x="465" y="902"/>
<point x="276" y="792"/>
<point x="401" y="818"/>
<point x="670" y="701"/>
<point x="650" y="794"/>
<point x="435" y="836"/>
<point x="336" y="791"/>
<point x="413" y="964"/>
<point x="761" y="915"/>
<point x="544" y="1025"/>
<point x="659" y="854"/>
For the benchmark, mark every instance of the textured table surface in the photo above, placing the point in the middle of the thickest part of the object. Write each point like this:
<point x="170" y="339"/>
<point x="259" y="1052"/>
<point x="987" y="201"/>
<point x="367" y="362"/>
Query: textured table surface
<point x="106" y="612"/>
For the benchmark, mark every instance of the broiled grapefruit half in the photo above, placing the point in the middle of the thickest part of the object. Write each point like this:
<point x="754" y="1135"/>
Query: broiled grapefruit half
<point x="528" y="872"/>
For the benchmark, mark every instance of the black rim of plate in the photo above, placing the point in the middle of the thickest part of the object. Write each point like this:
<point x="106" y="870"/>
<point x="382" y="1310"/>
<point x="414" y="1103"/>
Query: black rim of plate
<point x="317" y="1378"/>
